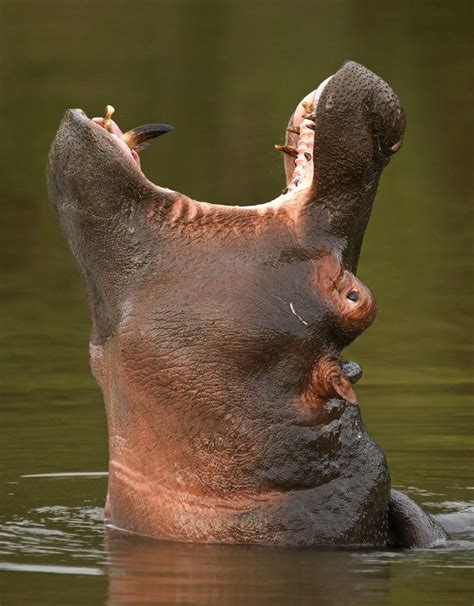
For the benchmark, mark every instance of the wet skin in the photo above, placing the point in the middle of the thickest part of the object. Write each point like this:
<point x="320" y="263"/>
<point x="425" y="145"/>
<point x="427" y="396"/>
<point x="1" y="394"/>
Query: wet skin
<point x="217" y="333"/>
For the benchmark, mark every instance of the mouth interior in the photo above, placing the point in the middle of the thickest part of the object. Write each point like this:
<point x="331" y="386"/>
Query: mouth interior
<point x="299" y="146"/>
<point x="301" y="134"/>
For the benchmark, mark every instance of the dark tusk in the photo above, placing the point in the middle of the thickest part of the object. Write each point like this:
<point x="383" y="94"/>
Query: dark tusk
<point x="136" y="137"/>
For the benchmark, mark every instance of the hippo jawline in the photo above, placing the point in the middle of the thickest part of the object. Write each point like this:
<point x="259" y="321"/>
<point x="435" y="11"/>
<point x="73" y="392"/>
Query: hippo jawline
<point x="216" y="330"/>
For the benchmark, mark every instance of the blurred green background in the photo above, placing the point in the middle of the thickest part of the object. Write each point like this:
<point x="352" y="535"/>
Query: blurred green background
<point x="227" y="75"/>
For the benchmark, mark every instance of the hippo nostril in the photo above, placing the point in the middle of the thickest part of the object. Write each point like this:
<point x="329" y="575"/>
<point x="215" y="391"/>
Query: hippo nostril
<point x="353" y="296"/>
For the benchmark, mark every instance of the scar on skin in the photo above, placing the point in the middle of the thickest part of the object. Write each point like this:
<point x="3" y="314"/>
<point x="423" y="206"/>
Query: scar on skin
<point x="294" y="313"/>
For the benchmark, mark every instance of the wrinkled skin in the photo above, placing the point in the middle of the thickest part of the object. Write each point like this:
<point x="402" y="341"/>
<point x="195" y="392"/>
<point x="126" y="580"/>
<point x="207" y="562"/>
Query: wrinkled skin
<point x="217" y="333"/>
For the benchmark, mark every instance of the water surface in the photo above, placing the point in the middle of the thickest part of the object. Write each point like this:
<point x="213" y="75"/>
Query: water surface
<point x="227" y="74"/>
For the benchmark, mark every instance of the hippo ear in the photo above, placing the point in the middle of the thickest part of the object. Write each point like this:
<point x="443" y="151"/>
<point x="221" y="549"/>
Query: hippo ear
<point x="343" y="388"/>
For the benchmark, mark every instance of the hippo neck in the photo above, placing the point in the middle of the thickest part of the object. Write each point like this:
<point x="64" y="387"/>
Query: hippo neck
<point x="296" y="482"/>
<point x="330" y="512"/>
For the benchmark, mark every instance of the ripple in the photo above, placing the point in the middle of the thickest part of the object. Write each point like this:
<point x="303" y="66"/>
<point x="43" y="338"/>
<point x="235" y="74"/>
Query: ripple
<point x="61" y="539"/>
<point x="51" y="569"/>
<point x="72" y="474"/>
<point x="55" y="531"/>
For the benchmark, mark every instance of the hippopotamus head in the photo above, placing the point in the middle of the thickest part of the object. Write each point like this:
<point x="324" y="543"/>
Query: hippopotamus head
<point x="217" y="330"/>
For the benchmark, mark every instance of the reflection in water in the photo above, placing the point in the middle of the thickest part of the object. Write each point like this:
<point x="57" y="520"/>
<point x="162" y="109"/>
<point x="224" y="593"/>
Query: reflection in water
<point x="146" y="571"/>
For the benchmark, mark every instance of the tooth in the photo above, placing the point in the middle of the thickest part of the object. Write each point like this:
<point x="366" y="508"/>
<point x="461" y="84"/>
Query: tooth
<point x="310" y="116"/>
<point x="311" y="126"/>
<point x="135" y="138"/>
<point x="287" y="149"/>
<point x="309" y="108"/>
<point x="107" y="123"/>
<point x="293" y="129"/>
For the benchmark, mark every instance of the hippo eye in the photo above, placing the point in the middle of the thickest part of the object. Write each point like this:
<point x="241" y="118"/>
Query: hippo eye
<point x="353" y="296"/>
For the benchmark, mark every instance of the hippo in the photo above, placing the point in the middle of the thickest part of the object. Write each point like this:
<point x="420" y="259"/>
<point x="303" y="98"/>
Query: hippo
<point x="217" y="332"/>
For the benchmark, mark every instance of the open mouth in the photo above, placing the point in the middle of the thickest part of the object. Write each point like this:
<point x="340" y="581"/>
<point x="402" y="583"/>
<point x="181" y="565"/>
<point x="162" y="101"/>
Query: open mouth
<point x="298" y="148"/>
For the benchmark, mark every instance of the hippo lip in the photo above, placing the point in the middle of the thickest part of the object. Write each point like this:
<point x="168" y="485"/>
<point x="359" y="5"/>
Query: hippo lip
<point x="133" y="141"/>
<point x="92" y="128"/>
<point x="116" y="135"/>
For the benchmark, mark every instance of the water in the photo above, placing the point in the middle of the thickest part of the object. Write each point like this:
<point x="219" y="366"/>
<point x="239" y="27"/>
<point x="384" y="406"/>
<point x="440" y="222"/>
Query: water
<point x="227" y="74"/>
